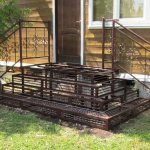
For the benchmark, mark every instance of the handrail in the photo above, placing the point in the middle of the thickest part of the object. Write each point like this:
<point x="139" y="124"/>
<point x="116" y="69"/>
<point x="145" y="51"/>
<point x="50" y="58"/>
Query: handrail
<point x="132" y="36"/>
<point x="7" y="70"/>
<point x="129" y="30"/>
<point x="140" y="37"/>
<point x="18" y="27"/>
<point x="133" y="40"/>
<point x="134" y="77"/>
<point x="10" y="28"/>
<point x="8" y="36"/>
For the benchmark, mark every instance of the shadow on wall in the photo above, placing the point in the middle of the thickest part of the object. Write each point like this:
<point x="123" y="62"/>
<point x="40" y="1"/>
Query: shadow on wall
<point x="41" y="9"/>
<point x="93" y="48"/>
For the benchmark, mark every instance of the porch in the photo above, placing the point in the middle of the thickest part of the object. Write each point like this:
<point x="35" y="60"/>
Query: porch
<point x="88" y="95"/>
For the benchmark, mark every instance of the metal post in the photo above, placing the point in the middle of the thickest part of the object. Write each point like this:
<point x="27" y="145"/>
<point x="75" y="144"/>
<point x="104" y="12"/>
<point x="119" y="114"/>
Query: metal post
<point x="15" y="46"/>
<point x="49" y="26"/>
<point x="46" y="75"/>
<point x="51" y="83"/>
<point x="42" y="88"/>
<point x="21" y="56"/>
<point x="113" y="44"/>
<point x="125" y="92"/>
<point x="103" y="43"/>
<point x="13" y="90"/>
<point x="112" y="54"/>
<point x="1" y="90"/>
<point x="1" y="87"/>
<point x="145" y="71"/>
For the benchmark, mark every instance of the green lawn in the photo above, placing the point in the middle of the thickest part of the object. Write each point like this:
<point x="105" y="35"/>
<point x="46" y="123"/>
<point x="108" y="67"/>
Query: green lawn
<point x="28" y="132"/>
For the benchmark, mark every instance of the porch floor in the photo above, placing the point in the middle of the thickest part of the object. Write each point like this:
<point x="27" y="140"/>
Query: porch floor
<point x="75" y="93"/>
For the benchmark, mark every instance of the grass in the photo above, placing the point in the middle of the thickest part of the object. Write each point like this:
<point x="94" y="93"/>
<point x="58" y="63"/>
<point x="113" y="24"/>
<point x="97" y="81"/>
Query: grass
<point x="28" y="132"/>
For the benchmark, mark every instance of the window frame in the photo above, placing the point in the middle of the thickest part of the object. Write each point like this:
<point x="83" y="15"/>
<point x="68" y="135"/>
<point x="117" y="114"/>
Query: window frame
<point x="143" y="22"/>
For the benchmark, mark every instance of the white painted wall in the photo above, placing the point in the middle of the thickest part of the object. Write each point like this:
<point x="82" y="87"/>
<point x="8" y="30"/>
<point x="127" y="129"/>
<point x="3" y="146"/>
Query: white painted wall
<point x="144" y="92"/>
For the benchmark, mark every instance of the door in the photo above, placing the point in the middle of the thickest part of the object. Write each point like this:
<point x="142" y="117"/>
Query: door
<point x="68" y="32"/>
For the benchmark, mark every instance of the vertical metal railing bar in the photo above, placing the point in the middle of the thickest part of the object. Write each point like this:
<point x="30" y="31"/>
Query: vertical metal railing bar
<point x="26" y="42"/>
<point x="42" y="84"/>
<point x="145" y="62"/>
<point x="103" y="43"/>
<point x="51" y="83"/>
<point x="15" y="46"/>
<point x="112" y="53"/>
<point x="21" y="54"/>
<point x="35" y="43"/>
<point x="113" y="44"/>
<point x="44" y="42"/>
<point x="49" y="42"/>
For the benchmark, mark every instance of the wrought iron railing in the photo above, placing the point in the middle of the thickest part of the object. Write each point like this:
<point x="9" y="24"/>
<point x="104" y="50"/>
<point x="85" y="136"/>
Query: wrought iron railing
<point x="26" y="42"/>
<point x="128" y="51"/>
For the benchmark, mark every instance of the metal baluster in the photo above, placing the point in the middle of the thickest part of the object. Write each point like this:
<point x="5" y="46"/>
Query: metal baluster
<point x="26" y="43"/>
<point x="103" y="44"/>
<point x="49" y="42"/>
<point x="15" y="46"/>
<point x="44" y="41"/>
<point x="21" y="57"/>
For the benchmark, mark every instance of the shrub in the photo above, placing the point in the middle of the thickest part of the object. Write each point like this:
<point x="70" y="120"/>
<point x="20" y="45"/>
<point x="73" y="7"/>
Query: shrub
<point x="10" y="13"/>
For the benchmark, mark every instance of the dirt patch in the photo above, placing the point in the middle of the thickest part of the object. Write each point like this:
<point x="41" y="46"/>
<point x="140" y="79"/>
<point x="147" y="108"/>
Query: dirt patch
<point x="82" y="129"/>
<point x="146" y="113"/>
<point x="101" y="133"/>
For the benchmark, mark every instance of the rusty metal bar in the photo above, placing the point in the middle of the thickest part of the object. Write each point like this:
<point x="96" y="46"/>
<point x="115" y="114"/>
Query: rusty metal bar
<point x="21" y="54"/>
<point x="49" y="27"/>
<point x="15" y="47"/>
<point x="140" y="37"/>
<point x="26" y="42"/>
<point x="42" y="86"/>
<point x="44" y="42"/>
<point x="132" y="39"/>
<point x="113" y="44"/>
<point x="134" y="77"/>
<point x="103" y="43"/>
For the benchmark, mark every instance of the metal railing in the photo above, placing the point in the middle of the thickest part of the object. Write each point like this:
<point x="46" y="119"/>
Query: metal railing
<point x="129" y="52"/>
<point x="25" y="41"/>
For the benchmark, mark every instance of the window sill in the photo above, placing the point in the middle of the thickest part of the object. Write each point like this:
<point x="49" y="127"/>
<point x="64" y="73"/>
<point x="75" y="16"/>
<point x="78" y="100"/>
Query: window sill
<point x="143" y="25"/>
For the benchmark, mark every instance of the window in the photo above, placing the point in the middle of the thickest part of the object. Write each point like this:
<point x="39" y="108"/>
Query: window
<point x="102" y="8"/>
<point x="131" y="8"/>
<point x="131" y="13"/>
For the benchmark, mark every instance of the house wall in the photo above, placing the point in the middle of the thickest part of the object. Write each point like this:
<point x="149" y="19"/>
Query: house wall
<point x="42" y="10"/>
<point x="93" y="45"/>
<point x="131" y="62"/>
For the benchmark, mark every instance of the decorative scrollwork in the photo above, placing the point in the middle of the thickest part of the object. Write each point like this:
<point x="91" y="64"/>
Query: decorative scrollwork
<point x="5" y="50"/>
<point x="129" y="54"/>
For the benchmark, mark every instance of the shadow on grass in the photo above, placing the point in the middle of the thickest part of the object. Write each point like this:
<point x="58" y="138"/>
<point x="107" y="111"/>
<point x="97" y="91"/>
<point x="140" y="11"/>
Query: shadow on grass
<point x="138" y="127"/>
<point x="12" y="122"/>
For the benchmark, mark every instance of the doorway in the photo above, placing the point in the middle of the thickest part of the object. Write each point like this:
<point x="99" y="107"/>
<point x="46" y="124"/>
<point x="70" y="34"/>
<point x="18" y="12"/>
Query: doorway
<point x="68" y="31"/>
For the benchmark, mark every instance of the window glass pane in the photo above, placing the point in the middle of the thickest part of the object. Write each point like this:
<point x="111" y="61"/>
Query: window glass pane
<point x="102" y="8"/>
<point x="131" y="8"/>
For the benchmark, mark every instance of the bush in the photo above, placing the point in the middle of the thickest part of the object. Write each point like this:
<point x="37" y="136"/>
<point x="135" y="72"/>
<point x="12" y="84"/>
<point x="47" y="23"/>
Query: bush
<point x="10" y="13"/>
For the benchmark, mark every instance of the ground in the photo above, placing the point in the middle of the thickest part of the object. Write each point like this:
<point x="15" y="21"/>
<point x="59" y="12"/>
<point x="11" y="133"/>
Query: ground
<point x="21" y="130"/>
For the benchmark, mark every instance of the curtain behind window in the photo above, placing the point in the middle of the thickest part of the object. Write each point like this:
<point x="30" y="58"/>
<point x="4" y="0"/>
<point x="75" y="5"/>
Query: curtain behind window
<point x="131" y="8"/>
<point x="102" y="8"/>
